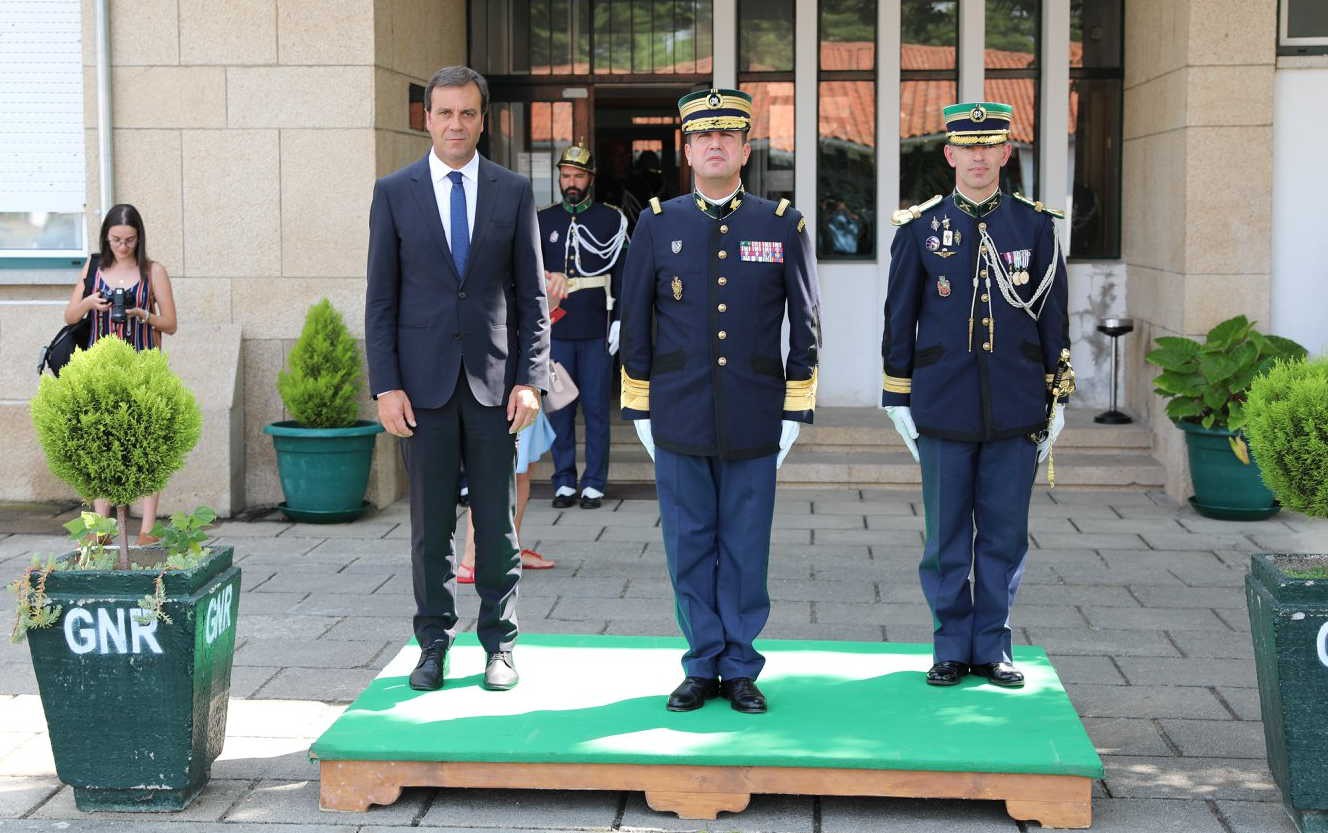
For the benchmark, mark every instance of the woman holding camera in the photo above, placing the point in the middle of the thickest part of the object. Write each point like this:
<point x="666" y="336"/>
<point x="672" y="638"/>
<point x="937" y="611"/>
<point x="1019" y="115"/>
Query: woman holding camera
<point x="130" y="299"/>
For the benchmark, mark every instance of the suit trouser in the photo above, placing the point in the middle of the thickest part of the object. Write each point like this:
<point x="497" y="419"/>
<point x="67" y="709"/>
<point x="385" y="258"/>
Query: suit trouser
<point x="715" y="517"/>
<point x="463" y="432"/>
<point x="987" y="485"/>
<point x="588" y="362"/>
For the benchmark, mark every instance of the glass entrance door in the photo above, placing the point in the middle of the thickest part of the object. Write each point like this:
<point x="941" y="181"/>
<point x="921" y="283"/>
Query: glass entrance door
<point x="529" y="126"/>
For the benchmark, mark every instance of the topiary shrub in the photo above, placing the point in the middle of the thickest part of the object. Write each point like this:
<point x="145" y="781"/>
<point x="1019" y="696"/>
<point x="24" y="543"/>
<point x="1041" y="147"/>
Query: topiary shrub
<point x="116" y="424"/>
<point x="1286" y="419"/>
<point x="322" y="387"/>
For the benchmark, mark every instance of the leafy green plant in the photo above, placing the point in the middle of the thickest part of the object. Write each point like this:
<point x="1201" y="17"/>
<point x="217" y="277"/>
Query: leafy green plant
<point x="1208" y="383"/>
<point x="1287" y="423"/>
<point x="116" y="423"/>
<point x="181" y="543"/>
<point x="322" y="387"/>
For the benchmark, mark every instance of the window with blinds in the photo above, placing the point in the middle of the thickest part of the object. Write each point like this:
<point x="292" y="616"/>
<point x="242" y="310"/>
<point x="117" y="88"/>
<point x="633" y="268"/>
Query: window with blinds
<point x="42" y="167"/>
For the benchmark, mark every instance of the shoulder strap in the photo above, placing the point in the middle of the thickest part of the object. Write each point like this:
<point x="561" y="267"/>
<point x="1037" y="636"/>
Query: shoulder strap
<point x="90" y="279"/>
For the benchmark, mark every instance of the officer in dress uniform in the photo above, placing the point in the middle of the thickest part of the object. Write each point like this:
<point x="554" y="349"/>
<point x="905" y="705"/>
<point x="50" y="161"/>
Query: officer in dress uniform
<point x="976" y="370"/>
<point x="585" y="244"/>
<point x="709" y="278"/>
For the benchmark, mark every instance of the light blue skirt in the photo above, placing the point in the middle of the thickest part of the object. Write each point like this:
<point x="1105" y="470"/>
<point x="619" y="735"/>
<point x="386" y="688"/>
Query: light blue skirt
<point x="533" y="441"/>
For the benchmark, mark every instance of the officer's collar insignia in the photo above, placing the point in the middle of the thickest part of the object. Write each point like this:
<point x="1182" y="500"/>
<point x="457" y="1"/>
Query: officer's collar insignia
<point x="976" y="209"/>
<point x="553" y="236"/>
<point x="579" y="207"/>
<point x="676" y="246"/>
<point x="723" y="209"/>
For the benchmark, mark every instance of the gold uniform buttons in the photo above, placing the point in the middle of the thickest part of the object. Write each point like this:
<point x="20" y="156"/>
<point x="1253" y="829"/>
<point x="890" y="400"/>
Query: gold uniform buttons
<point x="982" y="226"/>
<point x="723" y="308"/>
<point x="723" y="335"/>
<point x="986" y="321"/>
<point x="723" y="254"/>
<point x="724" y="229"/>
<point x="985" y="297"/>
<point x="723" y="361"/>
<point x="986" y="345"/>
<point x="723" y="281"/>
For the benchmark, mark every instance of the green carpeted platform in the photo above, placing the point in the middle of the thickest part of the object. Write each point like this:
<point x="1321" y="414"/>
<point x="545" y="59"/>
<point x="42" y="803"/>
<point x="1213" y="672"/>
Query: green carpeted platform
<point x="600" y="700"/>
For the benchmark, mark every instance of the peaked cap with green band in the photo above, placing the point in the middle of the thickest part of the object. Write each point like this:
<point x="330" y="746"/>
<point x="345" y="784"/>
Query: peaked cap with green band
<point x="715" y="109"/>
<point x="978" y="123"/>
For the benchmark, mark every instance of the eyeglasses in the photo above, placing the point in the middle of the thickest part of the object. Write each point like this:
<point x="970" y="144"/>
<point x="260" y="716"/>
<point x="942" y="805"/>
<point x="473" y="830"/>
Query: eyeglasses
<point x="127" y="241"/>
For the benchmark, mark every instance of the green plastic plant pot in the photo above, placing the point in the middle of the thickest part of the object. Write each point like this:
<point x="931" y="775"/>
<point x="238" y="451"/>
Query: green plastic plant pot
<point x="137" y="711"/>
<point x="1289" y="627"/>
<point x="324" y="471"/>
<point x="1224" y="487"/>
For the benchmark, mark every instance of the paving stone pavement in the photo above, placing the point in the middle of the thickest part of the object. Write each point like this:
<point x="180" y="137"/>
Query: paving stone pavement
<point x="1138" y="601"/>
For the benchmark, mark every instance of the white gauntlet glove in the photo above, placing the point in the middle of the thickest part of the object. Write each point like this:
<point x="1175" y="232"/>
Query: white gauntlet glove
<point x="645" y="436"/>
<point x="613" y="337"/>
<point x="787" y="435"/>
<point x="902" y="417"/>
<point x="1057" y="423"/>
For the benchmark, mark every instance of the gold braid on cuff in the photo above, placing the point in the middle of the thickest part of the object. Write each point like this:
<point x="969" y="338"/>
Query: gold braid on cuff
<point x="800" y="395"/>
<point x="896" y="384"/>
<point x="635" y="393"/>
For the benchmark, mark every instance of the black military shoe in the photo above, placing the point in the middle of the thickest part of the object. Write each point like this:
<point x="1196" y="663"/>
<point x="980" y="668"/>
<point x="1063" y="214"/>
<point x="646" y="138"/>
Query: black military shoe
<point x="1000" y="673"/>
<point x="591" y="502"/>
<point x="693" y="693"/>
<point x="743" y="695"/>
<point x="429" y="671"/>
<point x="947" y="673"/>
<point x="500" y="672"/>
<point x="564" y="501"/>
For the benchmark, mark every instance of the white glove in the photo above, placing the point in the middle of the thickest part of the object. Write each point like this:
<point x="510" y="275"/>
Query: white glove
<point x="643" y="434"/>
<point x="613" y="337"/>
<point x="787" y="435"/>
<point x="1057" y="423"/>
<point x="902" y="417"/>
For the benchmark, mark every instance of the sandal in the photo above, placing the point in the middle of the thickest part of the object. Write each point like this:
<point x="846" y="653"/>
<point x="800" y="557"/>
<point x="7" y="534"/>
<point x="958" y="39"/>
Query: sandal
<point x="531" y="560"/>
<point x="465" y="574"/>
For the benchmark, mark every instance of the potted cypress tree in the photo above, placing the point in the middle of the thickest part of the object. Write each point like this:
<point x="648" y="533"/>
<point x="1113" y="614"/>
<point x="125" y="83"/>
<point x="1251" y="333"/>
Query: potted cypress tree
<point x="1206" y="385"/>
<point x="1287" y="593"/>
<point x="143" y="638"/>
<point x="324" y="453"/>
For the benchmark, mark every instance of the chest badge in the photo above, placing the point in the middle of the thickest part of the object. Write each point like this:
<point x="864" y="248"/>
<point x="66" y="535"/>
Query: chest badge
<point x="676" y="285"/>
<point x="933" y="243"/>
<point x="553" y="236"/>
<point x="676" y="246"/>
<point x="943" y="286"/>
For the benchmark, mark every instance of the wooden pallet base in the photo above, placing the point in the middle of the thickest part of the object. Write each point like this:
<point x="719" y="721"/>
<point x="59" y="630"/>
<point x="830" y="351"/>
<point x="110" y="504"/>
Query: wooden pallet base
<point x="702" y="792"/>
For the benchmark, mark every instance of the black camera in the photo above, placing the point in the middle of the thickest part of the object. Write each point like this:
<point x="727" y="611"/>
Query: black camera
<point x="121" y="299"/>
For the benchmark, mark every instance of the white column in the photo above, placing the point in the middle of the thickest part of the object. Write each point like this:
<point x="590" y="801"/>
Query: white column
<point x="726" y="43"/>
<point x="806" y="65"/>
<point x="1054" y="118"/>
<point x="972" y="36"/>
<point x="887" y="126"/>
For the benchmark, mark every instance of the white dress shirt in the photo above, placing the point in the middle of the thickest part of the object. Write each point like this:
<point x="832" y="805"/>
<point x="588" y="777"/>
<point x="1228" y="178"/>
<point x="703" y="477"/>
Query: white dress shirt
<point x="442" y="190"/>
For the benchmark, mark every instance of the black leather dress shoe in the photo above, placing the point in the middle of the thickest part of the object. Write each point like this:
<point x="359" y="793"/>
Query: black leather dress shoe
<point x="563" y="501"/>
<point x="743" y="695"/>
<point x="947" y="673"/>
<point x="591" y="502"/>
<point x="693" y="694"/>
<point x="1000" y="673"/>
<point x="429" y="671"/>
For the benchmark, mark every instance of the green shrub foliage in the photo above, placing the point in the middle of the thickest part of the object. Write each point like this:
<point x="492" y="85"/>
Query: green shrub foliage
<point x="322" y="387"/>
<point x="1207" y="383"/>
<point x="1287" y="423"/>
<point x="116" y="423"/>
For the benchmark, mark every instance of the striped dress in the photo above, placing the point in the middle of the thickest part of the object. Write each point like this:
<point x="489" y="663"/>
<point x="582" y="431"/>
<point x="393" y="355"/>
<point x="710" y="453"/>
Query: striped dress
<point x="132" y="330"/>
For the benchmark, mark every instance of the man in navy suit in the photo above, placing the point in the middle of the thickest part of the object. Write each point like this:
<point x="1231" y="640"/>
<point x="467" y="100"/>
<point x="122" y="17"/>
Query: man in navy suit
<point x="457" y="339"/>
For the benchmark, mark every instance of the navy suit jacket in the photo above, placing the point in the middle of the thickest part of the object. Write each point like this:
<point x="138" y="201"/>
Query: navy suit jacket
<point x="424" y="323"/>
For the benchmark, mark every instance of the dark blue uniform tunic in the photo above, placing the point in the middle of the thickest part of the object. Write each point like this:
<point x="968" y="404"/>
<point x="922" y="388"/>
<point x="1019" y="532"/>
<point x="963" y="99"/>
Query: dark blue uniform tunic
<point x="704" y="297"/>
<point x="578" y="338"/>
<point x="976" y="393"/>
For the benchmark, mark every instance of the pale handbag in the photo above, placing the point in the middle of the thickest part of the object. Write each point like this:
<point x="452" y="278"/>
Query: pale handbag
<point x="562" y="390"/>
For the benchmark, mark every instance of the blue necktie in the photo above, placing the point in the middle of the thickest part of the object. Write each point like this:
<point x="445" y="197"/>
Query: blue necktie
<point x="460" y="224"/>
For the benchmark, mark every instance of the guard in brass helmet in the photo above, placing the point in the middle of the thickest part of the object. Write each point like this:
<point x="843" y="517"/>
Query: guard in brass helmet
<point x="709" y="279"/>
<point x="976" y="371"/>
<point x="585" y="248"/>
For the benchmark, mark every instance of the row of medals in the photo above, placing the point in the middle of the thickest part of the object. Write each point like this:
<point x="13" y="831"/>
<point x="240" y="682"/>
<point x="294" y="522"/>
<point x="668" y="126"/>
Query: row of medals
<point x="1019" y="277"/>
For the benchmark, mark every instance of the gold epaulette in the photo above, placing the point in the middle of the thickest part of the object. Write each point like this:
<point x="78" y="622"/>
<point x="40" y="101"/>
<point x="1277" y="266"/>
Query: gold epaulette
<point x="782" y="207"/>
<point x="913" y="212"/>
<point x="1037" y="205"/>
<point x="655" y="207"/>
